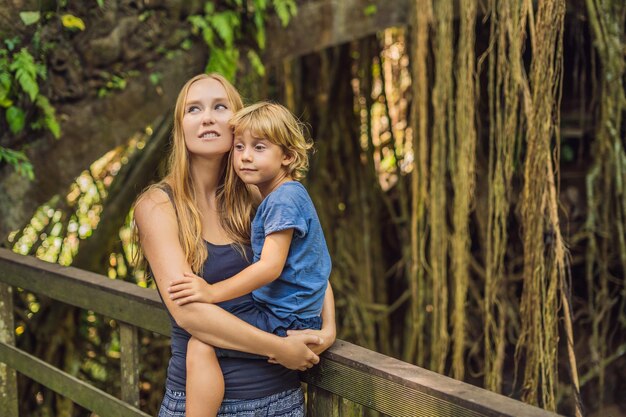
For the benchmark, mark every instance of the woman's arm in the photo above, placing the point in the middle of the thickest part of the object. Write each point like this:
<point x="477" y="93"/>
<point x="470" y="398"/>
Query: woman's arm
<point x="158" y="234"/>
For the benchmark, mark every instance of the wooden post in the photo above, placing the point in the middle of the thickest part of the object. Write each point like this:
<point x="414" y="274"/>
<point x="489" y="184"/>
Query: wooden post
<point x="348" y="408"/>
<point x="321" y="403"/>
<point x="129" y="341"/>
<point x="8" y="376"/>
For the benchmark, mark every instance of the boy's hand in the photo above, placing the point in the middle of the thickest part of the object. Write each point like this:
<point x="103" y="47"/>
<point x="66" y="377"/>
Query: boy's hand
<point x="189" y="289"/>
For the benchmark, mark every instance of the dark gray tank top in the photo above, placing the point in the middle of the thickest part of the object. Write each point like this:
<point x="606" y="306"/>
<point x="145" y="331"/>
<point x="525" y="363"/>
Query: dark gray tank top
<point x="244" y="378"/>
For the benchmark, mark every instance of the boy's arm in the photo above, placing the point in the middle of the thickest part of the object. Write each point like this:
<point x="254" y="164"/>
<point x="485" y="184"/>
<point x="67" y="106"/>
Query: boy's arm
<point x="265" y="270"/>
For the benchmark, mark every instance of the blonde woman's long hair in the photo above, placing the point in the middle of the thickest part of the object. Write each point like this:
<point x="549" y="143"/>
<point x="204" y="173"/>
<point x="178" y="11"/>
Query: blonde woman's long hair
<point x="234" y="205"/>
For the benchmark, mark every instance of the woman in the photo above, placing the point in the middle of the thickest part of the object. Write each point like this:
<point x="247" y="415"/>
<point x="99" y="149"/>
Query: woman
<point x="190" y="223"/>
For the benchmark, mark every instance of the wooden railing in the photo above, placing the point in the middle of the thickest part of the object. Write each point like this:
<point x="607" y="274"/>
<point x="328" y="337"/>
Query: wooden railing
<point x="348" y="380"/>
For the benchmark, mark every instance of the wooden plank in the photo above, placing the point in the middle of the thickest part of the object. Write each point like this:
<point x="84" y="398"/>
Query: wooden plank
<point x="8" y="377"/>
<point x="129" y="341"/>
<point x="98" y="401"/>
<point x="348" y="408"/>
<point x="397" y="388"/>
<point x="320" y="24"/>
<point x="119" y="300"/>
<point x="321" y="403"/>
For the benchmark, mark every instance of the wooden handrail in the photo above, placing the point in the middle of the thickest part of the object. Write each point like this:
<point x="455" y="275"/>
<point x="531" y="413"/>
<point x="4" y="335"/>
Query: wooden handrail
<point x="348" y="378"/>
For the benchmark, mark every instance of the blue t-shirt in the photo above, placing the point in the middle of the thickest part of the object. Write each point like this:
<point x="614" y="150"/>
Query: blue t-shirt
<point x="299" y="291"/>
<point x="244" y="378"/>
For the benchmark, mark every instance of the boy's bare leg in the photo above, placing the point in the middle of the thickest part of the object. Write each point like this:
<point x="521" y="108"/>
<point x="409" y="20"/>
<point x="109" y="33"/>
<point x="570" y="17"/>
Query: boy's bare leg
<point x="205" y="382"/>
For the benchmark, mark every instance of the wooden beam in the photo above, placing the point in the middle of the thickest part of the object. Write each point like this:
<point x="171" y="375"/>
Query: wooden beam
<point x="320" y="24"/>
<point x="397" y="388"/>
<point x="90" y="397"/>
<point x="353" y="373"/>
<point x="116" y="299"/>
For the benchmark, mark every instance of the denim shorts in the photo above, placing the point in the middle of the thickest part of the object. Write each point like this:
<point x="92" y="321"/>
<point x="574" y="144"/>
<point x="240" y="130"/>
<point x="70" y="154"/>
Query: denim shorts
<point x="284" y="404"/>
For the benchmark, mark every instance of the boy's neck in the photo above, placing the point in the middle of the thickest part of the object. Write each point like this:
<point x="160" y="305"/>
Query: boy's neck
<point x="267" y="189"/>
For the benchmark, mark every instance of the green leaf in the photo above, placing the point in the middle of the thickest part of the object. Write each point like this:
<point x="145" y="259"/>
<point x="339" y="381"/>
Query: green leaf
<point x="72" y="22"/>
<point x="5" y="89"/>
<point x="100" y="3"/>
<point x="260" y="5"/>
<point x="223" y="62"/>
<point x="11" y="43"/>
<point x="53" y="126"/>
<point x="259" y="22"/>
<point x="285" y="9"/>
<point x="155" y="78"/>
<point x="28" y="83"/>
<point x="41" y="70"/>
<point x="208" y="36"/>
<point x="5" y="80"/>
<point x="19" y="161"/>
<point x="197" y="23"/>
<point x="370" y="10"/>
<point x="186" y="44"/>
<point x="256" y="62"/>
<point x="225" y="24"/>
<point x="26" y="73"/>
<point x="16" y="118"/>
<point x="50" y="120"/>
<point x="30" y="18"/>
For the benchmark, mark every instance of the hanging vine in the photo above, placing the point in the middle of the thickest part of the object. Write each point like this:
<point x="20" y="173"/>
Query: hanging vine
<point x="415" y="345"/>
<point x="463" y="171"/>
<point x="508" y="33"/>
<point x="544" y="251"/>
<point x="606" y="188"/>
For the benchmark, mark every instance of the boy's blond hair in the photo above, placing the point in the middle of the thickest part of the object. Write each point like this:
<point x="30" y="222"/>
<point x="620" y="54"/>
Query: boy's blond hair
<point x="275" y="123"/>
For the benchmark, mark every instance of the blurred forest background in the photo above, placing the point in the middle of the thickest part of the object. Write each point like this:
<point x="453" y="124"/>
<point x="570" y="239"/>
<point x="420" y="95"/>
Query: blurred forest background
<point x="470" y="173"/>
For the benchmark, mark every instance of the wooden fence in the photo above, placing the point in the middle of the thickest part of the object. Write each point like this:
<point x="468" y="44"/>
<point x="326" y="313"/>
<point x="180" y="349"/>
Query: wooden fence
<point x="348" y="381"/>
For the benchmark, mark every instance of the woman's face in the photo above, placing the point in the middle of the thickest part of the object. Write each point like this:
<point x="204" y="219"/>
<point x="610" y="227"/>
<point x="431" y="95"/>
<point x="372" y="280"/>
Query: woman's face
<point x="205" y="119"/>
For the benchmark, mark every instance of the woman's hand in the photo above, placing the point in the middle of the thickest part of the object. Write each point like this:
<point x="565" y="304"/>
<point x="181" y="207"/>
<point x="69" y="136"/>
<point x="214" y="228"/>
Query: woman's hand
<point x="189" y="289"/>
<point x="295" y="352"/>
<point x="327" y="336"/>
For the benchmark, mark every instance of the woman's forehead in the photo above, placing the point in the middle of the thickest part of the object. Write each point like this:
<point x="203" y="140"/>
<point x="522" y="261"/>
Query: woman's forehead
<point x="206" y="89"/>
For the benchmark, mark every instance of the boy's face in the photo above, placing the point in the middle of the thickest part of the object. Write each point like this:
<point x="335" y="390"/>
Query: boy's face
<point x="257" y="161"/>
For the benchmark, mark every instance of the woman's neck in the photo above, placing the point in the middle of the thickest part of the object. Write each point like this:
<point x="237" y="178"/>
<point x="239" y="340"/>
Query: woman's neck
<point x="206" y="177"/>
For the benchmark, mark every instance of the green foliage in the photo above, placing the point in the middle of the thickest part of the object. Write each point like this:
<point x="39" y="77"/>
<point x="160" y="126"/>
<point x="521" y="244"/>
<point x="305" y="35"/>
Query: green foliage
<point x="285" y="9"/>
<point x="30" y="18"/>
<point x="23" y="107"/>
<point x="25" y="72"/>
<point x="155" y="78"/>
<point x="221" y="31"/>
<point x="72" y="22"/>
<point x="18" y="161"/>
<point x="16" y="119"/>
<point x="113" y="82"/>
<point x="370" y="10"/>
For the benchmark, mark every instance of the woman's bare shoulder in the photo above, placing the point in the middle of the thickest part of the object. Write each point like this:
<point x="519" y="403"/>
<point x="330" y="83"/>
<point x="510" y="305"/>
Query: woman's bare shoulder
<point x="154" y="202"/>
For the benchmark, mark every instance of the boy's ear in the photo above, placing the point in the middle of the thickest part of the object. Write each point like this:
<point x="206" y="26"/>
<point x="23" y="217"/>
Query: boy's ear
<point x="288" y="158"/>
